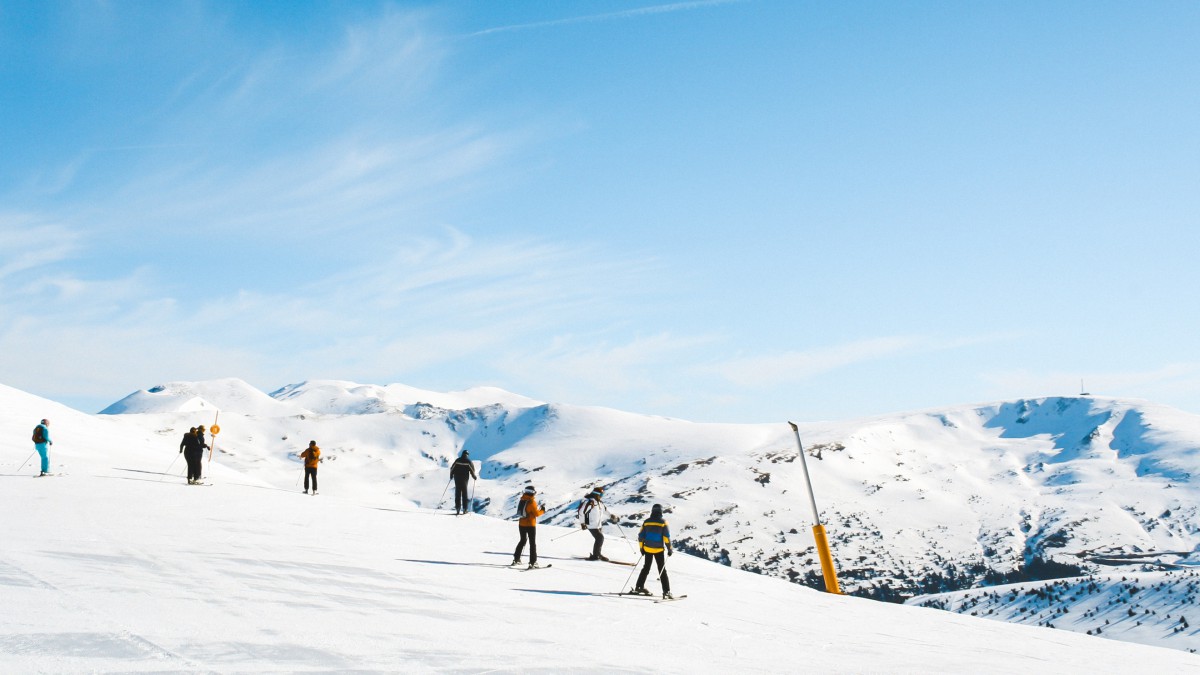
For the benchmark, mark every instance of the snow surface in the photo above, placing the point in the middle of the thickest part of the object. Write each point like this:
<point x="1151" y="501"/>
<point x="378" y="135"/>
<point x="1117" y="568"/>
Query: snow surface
<point x="915" y="503"/>
<point x="117" y="567"/>
<point x="1156" y="608"/>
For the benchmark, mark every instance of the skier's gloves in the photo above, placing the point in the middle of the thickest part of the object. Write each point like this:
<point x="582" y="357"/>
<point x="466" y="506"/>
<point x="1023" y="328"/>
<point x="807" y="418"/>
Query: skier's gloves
<point x="670" y="552"/>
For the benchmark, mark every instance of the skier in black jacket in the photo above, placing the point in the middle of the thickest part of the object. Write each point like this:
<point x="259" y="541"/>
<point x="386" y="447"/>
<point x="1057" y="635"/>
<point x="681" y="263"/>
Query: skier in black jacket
<point x="192" y="447"/>
<point x="461" y="470"/>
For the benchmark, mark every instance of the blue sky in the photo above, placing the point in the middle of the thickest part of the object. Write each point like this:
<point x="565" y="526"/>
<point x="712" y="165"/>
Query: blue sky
<point x="723" y="211"/>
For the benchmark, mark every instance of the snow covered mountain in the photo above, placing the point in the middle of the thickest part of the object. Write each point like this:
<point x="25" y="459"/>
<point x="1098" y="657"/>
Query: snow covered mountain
<point x="914" y="503"/>
<point x="116" y="565"/>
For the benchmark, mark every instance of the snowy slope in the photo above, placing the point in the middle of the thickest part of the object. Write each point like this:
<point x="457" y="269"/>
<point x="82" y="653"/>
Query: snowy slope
<point x="1155" y="608"/>
<point x="914" y="503"/>
<point x="109" y="568"/>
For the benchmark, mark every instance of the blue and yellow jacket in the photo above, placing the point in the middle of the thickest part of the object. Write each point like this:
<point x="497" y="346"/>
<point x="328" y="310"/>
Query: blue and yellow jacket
<point x="654" y="536"/>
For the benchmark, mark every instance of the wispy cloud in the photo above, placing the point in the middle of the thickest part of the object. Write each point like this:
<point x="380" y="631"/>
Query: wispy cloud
<point x="449" y="303"/>
<point x="1163" y="383"/>
<point x="571" y="364"/>
<point x="769" y="370"/>
<point x="27" y="242"/>
<point x="609" y="16"/>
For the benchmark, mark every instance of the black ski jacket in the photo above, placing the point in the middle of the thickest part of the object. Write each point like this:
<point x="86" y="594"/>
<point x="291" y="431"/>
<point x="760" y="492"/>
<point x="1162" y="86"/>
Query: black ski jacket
<point x="461" y="468"/>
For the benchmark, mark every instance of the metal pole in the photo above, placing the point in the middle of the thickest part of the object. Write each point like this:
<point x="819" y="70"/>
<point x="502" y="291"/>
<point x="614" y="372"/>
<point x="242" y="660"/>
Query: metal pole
<point x="827" y="569"/>
<point x="573" y="531"/>
<point x="27" y="460"/>
<point x="621" y="531"/>
<point x="631" y="572"/>
<point x="812" y="499"/>
<point x="171" y="466"/>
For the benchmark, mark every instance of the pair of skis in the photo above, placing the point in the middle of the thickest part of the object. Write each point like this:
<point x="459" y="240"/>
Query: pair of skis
<point x="630" y="594"/>
<point x="614" y="562"/>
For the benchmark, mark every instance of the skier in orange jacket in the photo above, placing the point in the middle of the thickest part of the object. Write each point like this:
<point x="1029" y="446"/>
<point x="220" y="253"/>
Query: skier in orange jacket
<point x="311" y="457"/>
<point x="528" y="511"/>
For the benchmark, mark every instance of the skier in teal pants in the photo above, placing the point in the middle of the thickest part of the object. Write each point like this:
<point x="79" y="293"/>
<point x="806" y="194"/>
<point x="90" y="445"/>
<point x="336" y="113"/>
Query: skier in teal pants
<point x="41" y="441"/>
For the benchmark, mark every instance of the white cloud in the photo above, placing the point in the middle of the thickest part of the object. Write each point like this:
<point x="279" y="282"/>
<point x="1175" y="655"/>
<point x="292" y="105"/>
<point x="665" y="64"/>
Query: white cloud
<point x="27" y="242"/>
<point x="445" y="300"/>
<point x="774" y="369"/>
<point x="609" y="16"/>
<point x="573" y="364"/>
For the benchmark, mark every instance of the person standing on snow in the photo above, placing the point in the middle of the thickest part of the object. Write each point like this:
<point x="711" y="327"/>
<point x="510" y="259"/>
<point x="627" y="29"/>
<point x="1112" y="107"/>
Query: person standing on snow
<point x="183" y="443"/>
<point x="528" y="511"/>
<point x="592" y="516"/>
<point x="461" y="470"/>
<point x="42" y="443"/>
<point x="193" y="447"/>
<point x="311" y="456"/>
<point x="654" y="537"/>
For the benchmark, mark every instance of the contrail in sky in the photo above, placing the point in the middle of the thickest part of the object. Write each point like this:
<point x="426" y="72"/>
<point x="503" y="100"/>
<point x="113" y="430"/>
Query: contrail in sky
<point x="626" y="14"/>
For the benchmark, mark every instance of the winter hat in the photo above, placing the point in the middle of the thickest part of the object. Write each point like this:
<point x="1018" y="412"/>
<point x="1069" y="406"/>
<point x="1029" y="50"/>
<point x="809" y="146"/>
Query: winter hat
<point x="598" y="490"/>
<point x="656" y="511"/>
<point x="529" y="490"/>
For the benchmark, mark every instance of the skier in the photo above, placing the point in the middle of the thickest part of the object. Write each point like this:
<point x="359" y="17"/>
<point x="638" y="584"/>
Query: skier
<point x="592" y="516"/>
<point x="193" y="447"/>
<point x="42" y="442"/>
<point x="311" y="456"/>
<point x="654" y="537"/>
<point x="460" y="471"/>
<point x="528" y="511"/>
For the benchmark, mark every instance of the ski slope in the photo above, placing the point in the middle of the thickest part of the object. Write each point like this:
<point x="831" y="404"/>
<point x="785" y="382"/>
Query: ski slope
<point x="1155" y="608"/>
<point x="914" y="503"/>
<point x="114" y="567"/>
<point x="974" y="486"/>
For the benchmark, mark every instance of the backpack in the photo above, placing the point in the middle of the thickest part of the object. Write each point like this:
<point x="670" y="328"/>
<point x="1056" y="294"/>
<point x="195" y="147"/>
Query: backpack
<point x="39" y="434"/>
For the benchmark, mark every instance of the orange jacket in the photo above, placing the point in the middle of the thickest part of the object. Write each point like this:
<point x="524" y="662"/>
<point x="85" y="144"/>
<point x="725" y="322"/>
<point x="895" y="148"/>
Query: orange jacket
<point x="311" y="457"/>
<point x="532" y="511"/>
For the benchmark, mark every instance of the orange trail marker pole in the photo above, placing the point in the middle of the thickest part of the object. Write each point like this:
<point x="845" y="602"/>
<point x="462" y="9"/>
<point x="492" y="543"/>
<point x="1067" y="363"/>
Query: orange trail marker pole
<point x="214" y="430"/>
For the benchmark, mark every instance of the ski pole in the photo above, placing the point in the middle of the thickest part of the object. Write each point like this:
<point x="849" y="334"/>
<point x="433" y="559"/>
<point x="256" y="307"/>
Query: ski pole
<point x="27" y="460"/>
<point x="473" y="482"/>
<point x="168" y="471"/>
<point x="443" y="499"/>
<point x="629" y="541"/>
<point x="635" y="566"/>
<point x="566" y="535"/>
<point x="664" y="569"/>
